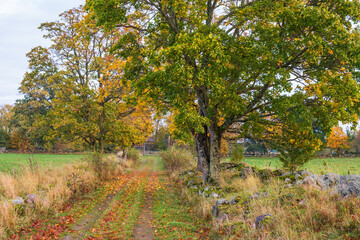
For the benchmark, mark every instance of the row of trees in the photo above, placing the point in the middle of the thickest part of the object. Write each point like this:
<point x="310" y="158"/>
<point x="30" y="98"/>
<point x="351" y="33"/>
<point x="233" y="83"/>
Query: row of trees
<point x="75" y="93"/>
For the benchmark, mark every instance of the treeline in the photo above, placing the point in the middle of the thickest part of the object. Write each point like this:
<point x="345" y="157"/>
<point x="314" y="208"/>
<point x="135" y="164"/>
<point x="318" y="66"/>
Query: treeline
<point x="74" y="95"/>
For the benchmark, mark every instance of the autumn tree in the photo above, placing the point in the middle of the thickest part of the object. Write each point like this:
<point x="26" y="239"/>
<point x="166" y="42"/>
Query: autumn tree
<point x="76" y="87"/>
<point x="6" y="114"/>
<point x="219" y="64"/>
<point x="337" y="141"/>
<point x="30" y="118"/>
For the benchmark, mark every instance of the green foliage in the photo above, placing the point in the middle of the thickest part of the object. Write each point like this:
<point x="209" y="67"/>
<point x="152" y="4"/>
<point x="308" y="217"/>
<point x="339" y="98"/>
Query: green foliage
<point x="161" y="138"/>
<point x="295" y="158"/>
<point x="133" y="154"/>
<point x="177" y="158"/>
<point x="220" y="65"/>
<point x="255" y="146"/>
<point x="75" y="92"/>
<point x="3" y="142"/>
<point x="237" y="153"/>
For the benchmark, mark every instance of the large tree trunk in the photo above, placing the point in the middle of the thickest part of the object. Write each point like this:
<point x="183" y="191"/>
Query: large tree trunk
<point x="124" y="156"/>
<point x="208" y="151"/>
<point x="101" y="128"/>
<point x="203" y="150"/>
<point x="215" y="156"/>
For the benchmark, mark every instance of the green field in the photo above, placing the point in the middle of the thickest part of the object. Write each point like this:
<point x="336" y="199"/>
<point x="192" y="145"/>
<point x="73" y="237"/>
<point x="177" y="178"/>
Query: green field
<point x="12" y="161"/>
<point x="318" y="166"/>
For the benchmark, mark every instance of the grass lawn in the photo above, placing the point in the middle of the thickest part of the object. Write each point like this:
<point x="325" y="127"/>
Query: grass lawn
<point x="11" y="161"/>
<point x="318" y="166"/>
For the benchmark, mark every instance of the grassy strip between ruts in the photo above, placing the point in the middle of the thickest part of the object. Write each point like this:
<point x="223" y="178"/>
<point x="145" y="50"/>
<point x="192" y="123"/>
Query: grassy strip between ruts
<point x="119" y="221"/>
<point x="174" y="217"/>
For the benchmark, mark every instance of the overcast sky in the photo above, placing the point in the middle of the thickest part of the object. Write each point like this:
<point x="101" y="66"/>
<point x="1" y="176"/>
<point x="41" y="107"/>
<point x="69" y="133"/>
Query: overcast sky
<point x="19" y="33"/>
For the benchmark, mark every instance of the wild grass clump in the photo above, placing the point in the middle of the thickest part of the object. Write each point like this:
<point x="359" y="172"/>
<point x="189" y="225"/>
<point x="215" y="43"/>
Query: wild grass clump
<point x="104" y="167"/>
<point x="133" y="154"/>
<point x="237" y="154"/>
<point x="176" y="159"/>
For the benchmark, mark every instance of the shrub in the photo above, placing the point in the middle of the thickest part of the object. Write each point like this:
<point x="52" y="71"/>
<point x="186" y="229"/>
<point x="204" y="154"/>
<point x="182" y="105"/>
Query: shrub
<point x="237" y="154"/>
<point x="104" y="168"/>
<point x="133" y="154"/>
<point x="295" y="158"/>
<point x="177" y="158"/>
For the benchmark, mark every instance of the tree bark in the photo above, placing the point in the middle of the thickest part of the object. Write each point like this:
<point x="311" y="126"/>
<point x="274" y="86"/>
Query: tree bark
<point x="124" y="156"/>
<point x="101" y="128"/>
<point x="208" y="153"/>
<point x="215" y="140"/>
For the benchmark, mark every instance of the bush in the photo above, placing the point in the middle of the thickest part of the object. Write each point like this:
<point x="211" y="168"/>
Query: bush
<point x="295" y="158"/>
<point x="133" y="154"/>
<point x="237" y="154"/>
<point x="177" y="158"/>
<point x="105" y="169"/>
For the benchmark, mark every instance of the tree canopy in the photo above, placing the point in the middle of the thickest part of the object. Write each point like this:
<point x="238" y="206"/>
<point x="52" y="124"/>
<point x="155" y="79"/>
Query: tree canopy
<point x="75" y="90"/>
<point x="229" y="65"/>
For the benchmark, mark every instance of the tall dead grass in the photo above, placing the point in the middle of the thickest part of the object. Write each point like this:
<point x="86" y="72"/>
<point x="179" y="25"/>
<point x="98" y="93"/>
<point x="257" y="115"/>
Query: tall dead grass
<point x="298" y="212"/>
<point x="53" y="188"/>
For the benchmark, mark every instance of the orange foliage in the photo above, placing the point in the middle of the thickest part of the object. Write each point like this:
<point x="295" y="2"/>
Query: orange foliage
<point x="337" y="139"/>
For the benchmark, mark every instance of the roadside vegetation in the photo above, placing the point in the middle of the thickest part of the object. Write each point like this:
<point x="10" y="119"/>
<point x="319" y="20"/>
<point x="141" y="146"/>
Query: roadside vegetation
<point x="35" y="192"/>
<point x="290" y="212"/>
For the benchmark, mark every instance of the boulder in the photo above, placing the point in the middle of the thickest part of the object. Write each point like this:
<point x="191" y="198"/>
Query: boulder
<point x="331" y="179"/>
<point x="266" y="174"/>
<point x="278" y="172"/>
<point x="288" y="180"/>
<point x="349" y="186"/>
<point x="259" y="195"/>
<point x="31" y="199"/>
<point x="262" y="220"/>
<point x="17" y="201"/>
<point x="214" y="195"/>
<point x="223" y="217"/>
<point x="304" y="173"/>
<point x="215" y="210"/>
<point x="246" y="172"/>
<point x="315" y="181"/>
<point x="235" y="200"/>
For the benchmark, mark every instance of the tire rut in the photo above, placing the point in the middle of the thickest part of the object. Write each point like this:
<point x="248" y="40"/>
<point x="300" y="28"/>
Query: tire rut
<point x="80" y="228"/>
<point x="144" y="229"/>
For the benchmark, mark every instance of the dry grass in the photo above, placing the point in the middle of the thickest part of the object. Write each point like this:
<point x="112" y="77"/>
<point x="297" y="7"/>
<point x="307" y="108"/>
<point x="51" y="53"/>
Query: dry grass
<point x="53" y="188"/>
<point x="298" y="212"/>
